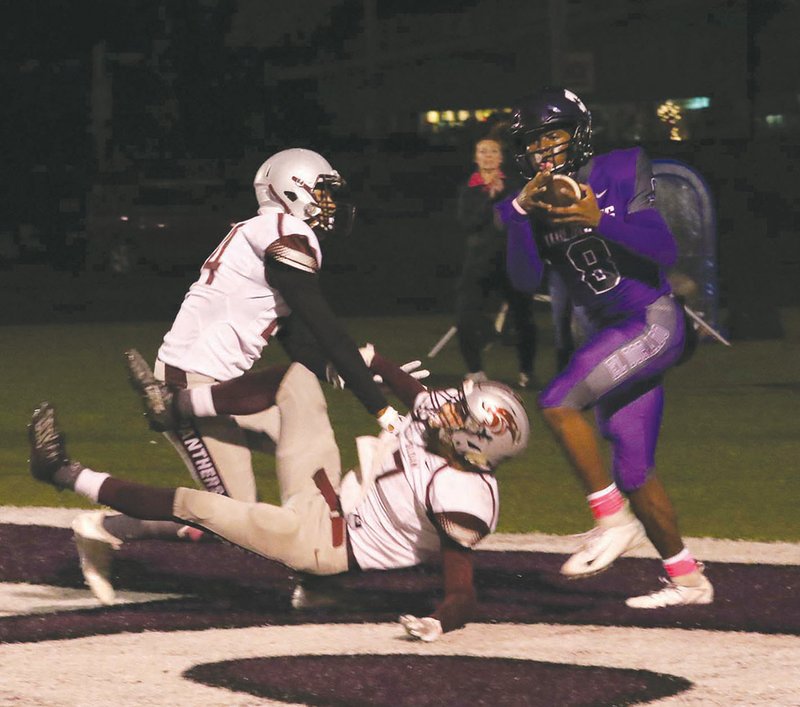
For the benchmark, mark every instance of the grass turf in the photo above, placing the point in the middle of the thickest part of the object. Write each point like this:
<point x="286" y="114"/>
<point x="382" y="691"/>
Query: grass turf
<point x="728" y="453"/>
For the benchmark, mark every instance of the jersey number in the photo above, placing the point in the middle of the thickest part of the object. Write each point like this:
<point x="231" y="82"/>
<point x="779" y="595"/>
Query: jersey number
<point x="213" y="262"/>
<point x="592" y="259"/>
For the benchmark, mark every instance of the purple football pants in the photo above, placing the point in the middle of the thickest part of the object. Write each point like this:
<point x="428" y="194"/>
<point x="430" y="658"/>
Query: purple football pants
<point x="618" y="371"/>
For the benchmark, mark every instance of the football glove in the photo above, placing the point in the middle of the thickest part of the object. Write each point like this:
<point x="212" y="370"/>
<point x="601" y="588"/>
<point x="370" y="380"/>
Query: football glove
<point x="412" y="368"/>
<point x="390" y="420"/>
<point x="425" y="629"/>
<point x="368" y="353"/>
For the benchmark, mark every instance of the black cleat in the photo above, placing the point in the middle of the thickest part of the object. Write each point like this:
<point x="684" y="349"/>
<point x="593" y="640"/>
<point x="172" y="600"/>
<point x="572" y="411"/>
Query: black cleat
<point x="157" y="399"/>
<point x="48" y="447"/>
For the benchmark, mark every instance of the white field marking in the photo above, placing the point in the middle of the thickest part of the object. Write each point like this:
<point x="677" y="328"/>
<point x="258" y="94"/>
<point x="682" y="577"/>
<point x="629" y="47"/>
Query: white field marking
<point x="730" y="668"/>
<point x="726" y="668"/>
<point x="17" y="599"/>
<point x="708" y="549"/>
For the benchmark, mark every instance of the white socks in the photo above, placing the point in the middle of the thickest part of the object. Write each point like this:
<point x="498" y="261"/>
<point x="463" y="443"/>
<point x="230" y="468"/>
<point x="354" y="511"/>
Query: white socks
<point x="202" y="402"/>
<point x="89" y="482"/>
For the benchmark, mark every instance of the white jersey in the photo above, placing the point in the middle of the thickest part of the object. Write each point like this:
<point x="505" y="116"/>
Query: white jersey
<point x="391" y="526"/>
<point x="231" y="311"/>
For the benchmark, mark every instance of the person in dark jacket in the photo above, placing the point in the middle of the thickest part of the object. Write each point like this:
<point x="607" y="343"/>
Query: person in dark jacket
<point x="484" y="274"/>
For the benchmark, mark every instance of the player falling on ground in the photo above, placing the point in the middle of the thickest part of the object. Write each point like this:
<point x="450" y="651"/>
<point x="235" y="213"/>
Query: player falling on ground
<point x="261" y="281"/>
<point x="426" y="491"/>
<point x="612" y="249"/>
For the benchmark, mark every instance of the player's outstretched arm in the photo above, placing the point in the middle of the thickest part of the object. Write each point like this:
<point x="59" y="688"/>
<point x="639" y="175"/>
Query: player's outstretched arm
<point x="401" y="381"/>
<point x="460" y="600"/>
<point x="459" y="532"/>
<point x="302" y="293"/>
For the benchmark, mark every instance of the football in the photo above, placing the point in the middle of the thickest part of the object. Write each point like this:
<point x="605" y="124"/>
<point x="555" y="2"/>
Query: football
<point x="560" y="190"/>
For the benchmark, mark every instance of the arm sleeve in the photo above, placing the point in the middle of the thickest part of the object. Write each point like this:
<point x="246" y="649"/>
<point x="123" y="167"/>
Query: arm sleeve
<point x="523" y="264"/>
<point x="402" y="384"/>
<point x="642" y="230"/>
<point x="302" y="293"/>
<point x="460" y="599"/>
<point x="301" y="346"/>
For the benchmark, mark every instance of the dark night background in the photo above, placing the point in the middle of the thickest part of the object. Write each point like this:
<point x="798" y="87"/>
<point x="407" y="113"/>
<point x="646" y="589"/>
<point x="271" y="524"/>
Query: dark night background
<point x="160" y="111"/>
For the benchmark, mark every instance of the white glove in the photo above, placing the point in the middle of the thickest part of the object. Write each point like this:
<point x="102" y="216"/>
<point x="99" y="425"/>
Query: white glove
<point x="425" y="629"/>
<point x="390" y="420"/>
<point x="368" y="353"/>
<point x="410" y="368"/>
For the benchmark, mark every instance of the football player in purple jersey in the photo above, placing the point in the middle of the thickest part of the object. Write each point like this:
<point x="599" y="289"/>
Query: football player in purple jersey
<point x="612" y="249"/>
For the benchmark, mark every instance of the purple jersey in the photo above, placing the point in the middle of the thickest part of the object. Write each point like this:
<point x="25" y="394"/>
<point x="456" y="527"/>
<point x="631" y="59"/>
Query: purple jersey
<point x="615" y="269"/>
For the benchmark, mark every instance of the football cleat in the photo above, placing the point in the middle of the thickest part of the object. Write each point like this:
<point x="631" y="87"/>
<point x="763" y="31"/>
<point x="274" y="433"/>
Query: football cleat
<point x="603" y="545"/>
<point x="95" y="545"/>
<point x="672" y="594"/>
<point x="48" y="447"/>
<point x="157" y="399"/>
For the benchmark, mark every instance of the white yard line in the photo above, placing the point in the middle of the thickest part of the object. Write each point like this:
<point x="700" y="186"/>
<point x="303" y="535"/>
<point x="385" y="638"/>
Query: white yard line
<point x="708" y="549"/>
<point x="16" y="599"/>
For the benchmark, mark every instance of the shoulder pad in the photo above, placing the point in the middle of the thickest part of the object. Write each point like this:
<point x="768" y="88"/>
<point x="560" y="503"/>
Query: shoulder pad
<point x="464" y="529"/>
<point x="294" y="250"/>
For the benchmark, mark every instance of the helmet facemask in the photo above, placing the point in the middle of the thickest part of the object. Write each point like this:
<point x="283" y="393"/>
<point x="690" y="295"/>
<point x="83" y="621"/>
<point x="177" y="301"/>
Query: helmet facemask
<point x="537" y="159"/>
<point x="329" y="211"/>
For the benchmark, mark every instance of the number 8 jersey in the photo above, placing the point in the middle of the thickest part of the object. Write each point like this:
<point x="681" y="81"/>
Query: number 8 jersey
<point x="614" y="269"/>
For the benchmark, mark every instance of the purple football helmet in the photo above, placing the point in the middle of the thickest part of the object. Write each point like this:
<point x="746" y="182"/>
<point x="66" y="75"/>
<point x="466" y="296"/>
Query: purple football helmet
<point x="546" y="110"/>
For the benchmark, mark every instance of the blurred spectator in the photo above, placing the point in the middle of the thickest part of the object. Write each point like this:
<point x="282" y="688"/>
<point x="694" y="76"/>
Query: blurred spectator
<point x="483" y="273"/>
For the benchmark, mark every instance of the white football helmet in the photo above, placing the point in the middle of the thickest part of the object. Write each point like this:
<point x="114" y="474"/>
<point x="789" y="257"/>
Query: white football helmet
<point x="303" y="183"/>
<point x="493" y="425"/>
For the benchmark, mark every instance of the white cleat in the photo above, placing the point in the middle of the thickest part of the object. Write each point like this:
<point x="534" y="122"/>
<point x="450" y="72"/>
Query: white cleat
<point x="674" y="595"/>
<point x="603" y="545"/>
<point x="95" y="545"/>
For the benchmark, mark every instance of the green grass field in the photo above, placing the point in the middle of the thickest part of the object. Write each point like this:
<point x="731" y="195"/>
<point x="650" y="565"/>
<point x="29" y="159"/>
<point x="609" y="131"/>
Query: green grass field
<point x="729" y="452"/>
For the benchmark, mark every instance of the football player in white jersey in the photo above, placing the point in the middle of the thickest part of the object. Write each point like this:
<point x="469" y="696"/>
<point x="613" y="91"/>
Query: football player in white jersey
<point x="427" y="490"/>
<point x="261" y="281"/>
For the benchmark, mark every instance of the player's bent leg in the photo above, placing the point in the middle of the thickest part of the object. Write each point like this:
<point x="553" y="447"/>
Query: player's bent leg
<point x="653" y="508"/>
<point x="215" y="451"/>
<point x="578" y="440"/>
<point x="609" y="367"/>
<point x="306" y="443"/>
<point x="616" y="531"/>
<point x="267" y="422"/>
<point x="298" y="535"/>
